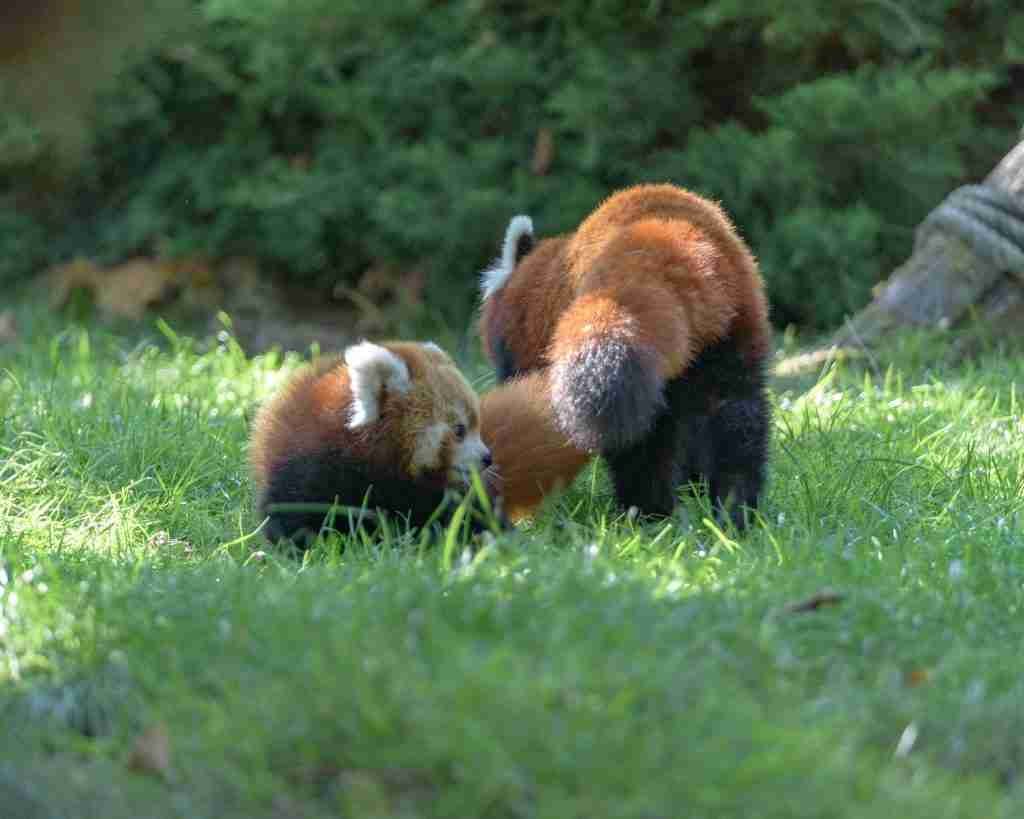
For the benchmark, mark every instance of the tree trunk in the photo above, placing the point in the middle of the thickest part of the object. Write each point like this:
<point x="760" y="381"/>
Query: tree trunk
<point x="968" y="253"/>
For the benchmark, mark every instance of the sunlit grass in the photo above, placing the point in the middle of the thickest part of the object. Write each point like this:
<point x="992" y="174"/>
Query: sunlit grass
<point x="583" y="665"/>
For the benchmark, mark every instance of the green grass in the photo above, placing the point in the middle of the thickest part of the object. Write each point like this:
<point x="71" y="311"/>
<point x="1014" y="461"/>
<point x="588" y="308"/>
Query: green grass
<point x="581" y="666"/>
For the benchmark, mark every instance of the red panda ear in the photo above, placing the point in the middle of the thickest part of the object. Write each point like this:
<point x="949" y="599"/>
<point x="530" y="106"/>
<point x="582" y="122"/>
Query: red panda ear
<point x="518" y="242"/>
<point x="372" y="370"/>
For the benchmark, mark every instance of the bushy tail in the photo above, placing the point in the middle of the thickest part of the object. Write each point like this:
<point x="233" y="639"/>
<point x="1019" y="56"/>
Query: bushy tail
<point x="531" y="455"/>
<point x="612" y="351"/>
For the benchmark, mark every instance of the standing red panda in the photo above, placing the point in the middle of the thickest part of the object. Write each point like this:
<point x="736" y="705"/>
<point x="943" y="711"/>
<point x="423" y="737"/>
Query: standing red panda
<point x="651" y="325"/>
<point x="395" y="424"/>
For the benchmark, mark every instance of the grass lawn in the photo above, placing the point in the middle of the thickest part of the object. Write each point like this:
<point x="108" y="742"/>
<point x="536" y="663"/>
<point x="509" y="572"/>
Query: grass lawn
<point x="155" y="663"/>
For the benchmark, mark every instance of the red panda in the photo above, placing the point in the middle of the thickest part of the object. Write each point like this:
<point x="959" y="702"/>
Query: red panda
<point x="395" y="424"/>
<point x="650" y="325"/>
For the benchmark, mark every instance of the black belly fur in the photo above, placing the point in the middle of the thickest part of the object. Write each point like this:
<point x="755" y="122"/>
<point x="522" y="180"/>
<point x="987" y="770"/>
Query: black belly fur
<point x="332" y="477"/>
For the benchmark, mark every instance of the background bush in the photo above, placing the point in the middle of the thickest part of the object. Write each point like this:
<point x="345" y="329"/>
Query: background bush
<point x="327" y="136"/>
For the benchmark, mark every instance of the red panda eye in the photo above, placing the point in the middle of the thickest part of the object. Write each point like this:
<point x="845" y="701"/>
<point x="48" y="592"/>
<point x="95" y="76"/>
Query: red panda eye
<point x="460" y="431"/>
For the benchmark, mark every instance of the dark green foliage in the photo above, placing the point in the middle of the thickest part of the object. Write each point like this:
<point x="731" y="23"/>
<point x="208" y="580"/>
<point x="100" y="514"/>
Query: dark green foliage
<point x="326" y="137"/>
<point x="22" y="243"/>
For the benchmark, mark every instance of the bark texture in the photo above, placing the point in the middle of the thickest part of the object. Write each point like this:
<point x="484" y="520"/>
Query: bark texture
<point x="968" y="258"/>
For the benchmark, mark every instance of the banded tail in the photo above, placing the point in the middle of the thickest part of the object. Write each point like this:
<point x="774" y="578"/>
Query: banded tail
<point x="612" y="352"/>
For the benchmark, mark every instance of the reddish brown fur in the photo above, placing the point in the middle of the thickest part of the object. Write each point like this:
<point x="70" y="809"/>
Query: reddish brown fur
<point x="653" y="287"/>
<point x="532" y="457"/>
<point x="307" y="415"/>
<point x="311" y="415"/>
<point x="705" y="245"/>
<point x="529" y="305"/>
<point x="694" y="281"/>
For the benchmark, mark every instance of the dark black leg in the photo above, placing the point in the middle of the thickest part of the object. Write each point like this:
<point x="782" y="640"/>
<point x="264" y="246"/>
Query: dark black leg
<point x="739" y="439"/>
<point x="728" y="449"/>
<point x="724" y="438"/>
<point x="695" y="453"/>
<point x="646" y="474"/>
<point x="714" y="428"/>
<point x="677" y="450"/>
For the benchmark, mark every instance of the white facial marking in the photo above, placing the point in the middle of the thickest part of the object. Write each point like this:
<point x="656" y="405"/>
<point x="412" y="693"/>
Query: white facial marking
<point x="428" y="445"/>
<point x="430" y="345"/>
<point x="470" y="453"/>
<point x="495" y="276"/>
<point x="372" y="370"/>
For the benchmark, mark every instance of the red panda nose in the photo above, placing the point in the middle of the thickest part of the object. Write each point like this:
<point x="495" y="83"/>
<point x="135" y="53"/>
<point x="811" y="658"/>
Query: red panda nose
<point x="486" y="460"/>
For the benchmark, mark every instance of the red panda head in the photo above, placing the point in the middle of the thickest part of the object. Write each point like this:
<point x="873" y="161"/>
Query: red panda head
<point x="414" y="395"/>
<point x="522" y="293"/>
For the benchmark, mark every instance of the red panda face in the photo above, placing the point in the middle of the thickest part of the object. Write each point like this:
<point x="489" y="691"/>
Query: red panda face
<point x="450" y="446"/>
<point x="427" y="405"/>
<point x="444" y="420"/>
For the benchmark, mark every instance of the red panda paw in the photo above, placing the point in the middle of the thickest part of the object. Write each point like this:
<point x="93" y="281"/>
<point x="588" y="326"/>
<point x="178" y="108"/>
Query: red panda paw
<point x="606" y="394"/>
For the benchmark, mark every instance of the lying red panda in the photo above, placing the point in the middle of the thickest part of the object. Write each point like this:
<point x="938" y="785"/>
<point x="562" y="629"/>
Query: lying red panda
<point x="650" y="325"/>
<point x="395" y="424"/>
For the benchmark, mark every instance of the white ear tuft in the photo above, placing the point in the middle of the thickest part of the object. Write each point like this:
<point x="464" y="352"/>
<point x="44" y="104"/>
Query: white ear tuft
<point x="373" y="369"/>
<point x="519" y="227"/>
<point x="518" y="242"/>
<point x="430" y="345"/>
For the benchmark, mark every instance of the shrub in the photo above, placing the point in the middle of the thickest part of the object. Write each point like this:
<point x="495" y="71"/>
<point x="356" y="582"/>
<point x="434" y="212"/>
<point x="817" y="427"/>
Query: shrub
<point x="327" y="137"/>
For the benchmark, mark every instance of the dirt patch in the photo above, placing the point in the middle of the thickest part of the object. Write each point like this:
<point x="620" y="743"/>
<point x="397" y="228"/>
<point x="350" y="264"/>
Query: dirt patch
<point x="266" y="313"/>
